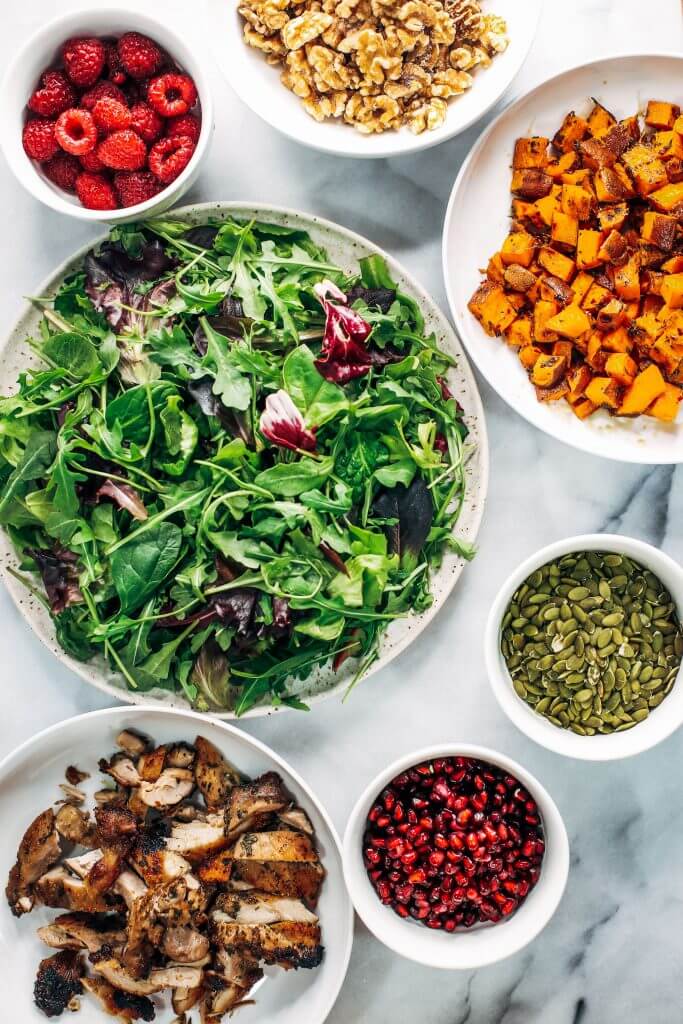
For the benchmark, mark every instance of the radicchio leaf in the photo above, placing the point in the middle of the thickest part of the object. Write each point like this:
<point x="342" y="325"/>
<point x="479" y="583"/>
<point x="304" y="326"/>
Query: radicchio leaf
<point x="343" y="355"/>
<point x="123" y="495"/>
<point x="204" y="235"/>
<point x="282" y="424"/>
<point x="380" y="298"/>
<point x="59" y="571"/>
<point x="282" y="617"/>
<point x="232" y="608"/>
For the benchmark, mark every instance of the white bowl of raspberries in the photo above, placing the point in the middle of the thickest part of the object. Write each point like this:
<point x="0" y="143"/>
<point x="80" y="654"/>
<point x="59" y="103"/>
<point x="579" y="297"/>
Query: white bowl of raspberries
<point x="106" y="115"/>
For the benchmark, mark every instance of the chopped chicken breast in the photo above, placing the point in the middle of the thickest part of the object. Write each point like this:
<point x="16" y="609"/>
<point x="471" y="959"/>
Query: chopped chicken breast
<point x="58" y="982"/>
<point x="38" y="850"/>
<point x="172" y="786"/>
<point x="284" y="863"/>
<point x="83" y="931"/>
<point x="123" y="1005"/>
<point x="250" y="805"/>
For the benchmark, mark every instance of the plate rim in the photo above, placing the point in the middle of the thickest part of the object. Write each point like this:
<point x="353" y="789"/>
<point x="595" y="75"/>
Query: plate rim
<point x="633" y="455"/>
<point x="423" y="142"/>
<point x="475" y="411"/>
<point x="15" y="755"/>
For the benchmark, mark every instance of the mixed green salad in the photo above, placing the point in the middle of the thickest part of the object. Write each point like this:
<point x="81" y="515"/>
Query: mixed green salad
<point x="236" y="461"/>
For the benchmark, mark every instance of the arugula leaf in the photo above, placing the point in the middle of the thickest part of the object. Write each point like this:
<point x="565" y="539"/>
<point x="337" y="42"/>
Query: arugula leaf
<point x="232" y="387"/>
<point x="180" y="436"/>
<point x="38" y="456"/>
<point x="72" y="352"/>
<point x="143" y="564"/>
<point x="292" y="478"/>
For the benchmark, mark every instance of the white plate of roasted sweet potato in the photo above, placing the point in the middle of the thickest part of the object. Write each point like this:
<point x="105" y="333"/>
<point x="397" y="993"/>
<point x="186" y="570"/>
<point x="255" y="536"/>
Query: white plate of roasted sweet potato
<point x="563" y="257"/>
<point x="160" y="865"/>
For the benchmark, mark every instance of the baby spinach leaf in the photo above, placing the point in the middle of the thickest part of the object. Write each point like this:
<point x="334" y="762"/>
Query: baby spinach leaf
<point x="74" y="353"/>
<point x="139" y="567"/>
<point x="37" y="458"/>
<point x="292" y="478"/>
<point x="180" y="436"/>
<point x="244" y="551"/>
<point x="318" y="399"/>
<point x="129" y="412"/>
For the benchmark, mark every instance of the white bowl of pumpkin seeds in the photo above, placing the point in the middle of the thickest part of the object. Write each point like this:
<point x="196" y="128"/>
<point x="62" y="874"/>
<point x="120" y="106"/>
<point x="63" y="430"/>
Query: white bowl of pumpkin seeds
<point x="583" y="646"/>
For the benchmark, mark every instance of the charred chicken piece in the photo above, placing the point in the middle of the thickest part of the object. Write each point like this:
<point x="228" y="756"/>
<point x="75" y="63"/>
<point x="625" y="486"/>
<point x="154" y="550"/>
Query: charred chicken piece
<point x="58" y="982"/>
<point x="113" y="971"/>
<point x="197" y="840"/>
<point x="132" y="743"/>
<point x="38" y="850"/>
<point x="251" y="804"/>
<point x="60" y="889"/>
<point x="75" y="825"/>
<point x="227" y="985"/>
<point x="278" y="930"/>
<point x="116" y="1003"/>
<point x="169" y="789"/>
<point x="84" y="931"/>
<point x="284" y="863"/>
<point x="122" y="770"/>
<point x="296" y="818"/>
<point x="215" y="777"/>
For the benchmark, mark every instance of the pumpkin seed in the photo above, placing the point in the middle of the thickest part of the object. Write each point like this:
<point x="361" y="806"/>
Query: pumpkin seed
<point x="592" y="642"/>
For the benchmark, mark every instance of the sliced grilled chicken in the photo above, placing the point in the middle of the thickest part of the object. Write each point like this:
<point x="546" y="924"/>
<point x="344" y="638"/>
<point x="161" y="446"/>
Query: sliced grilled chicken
<point x="172" y="786"/>
<point x="156" y="864"/>
<point x="228" y="985"/>
<point x="58" y="982"/>
<point x="184" y="944"/>
<point x="177" y="904"/>
<point x="184" y="999"/>
<point x="215" y="777"/>
<point x="132" y="742"/>
<point x="75" y="825"/>
<point x="130" y="887"/>
<point x="122" y="770"/>
<point x="83" y="931"/>
<point x="197" y="840"/>
<point x="117" y="827"/>
<point x="81" y="865"/>
<point x="38" y="850"/>
<point x="251" y="804"/>
<point x="284" y="863"/>
<point x="263" y="908"/>
<point x="60" y="889"/>
<point x="217" y="870"/>
<point x="180" y="755"/>
<point x="287" y="943"/>
<point x="295" y="818"/>
<point x="179" y="976"/>
<point x="116" y="1003"/>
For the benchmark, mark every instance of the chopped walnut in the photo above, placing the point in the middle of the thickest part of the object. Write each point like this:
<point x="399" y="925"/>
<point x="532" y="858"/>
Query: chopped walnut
<point x="375" y="64"/>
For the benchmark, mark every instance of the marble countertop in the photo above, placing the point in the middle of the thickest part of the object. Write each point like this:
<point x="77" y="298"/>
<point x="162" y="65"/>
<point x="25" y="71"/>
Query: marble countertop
<point x="612" y="953"/>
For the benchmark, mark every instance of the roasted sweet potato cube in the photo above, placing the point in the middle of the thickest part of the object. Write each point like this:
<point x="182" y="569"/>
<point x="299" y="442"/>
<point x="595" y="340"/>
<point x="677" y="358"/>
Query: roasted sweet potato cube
<point x="611" y="315"/>
<point x="552" y="394"/>
<point x="530" y="152"/>
<point x="650" y="177"/>
<point x="612" y="184"/>
<point x="564" y="349"/>
<point x="544" y="311"/>
<point x="570" y="322"/>
<point x="627" y="279"/>
<point x="583" y="177"/>
<point x="611" y="218"/>
<point x="518" y="247"/>
<point x="603" y="391"/>
<point x="548" y="370"/>
<point x="531" y="183"/>
<point x="518" y="334"/>
<point x="578" y="380"/>
<point x="620" y="366"/>
<point x="595" y="357"/>
<point x="674" y="170"/>
<point x="669" y="145"/>
<point x="651" y="282"/>
<point x="678" y="125"/>
<point x="528" y="355"/>
<point x="559" y="167"/>
<point x="621" y="135"/>
<point x="581" y="283"/>
<point x="600" y="120"/>
<point x="672" y="290"/>
<point x="674" y="265"/>
<point x="492" y="308"/>
<point x="495" y="269"/>
<point x="613" y="249"/>
<point x="660" y="114"/>
<point x="648" y="325"/>
<point x="665" y="407"/>
<point x="659" y="229"/>
<point x="546" y="208"/>
<point x="583" y="408"/>
<point x="564" y="230"/>
<point x="556" y="263"/>
<point x="645" y="389"/>
<point x="669" y="198"/>
<point x="573" y="129"/>
<point x="667" y="354"/>
<point x="618" y="340"/>
<point x="594" y="154"/>
<point x="595" y="297"/>
<point x="524" y="212"/>
<point x="576" y="201"/>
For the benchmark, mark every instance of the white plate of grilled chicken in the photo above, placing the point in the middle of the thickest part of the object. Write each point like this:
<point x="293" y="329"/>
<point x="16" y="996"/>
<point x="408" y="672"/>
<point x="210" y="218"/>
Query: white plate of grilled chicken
<point x="162" y="866"/>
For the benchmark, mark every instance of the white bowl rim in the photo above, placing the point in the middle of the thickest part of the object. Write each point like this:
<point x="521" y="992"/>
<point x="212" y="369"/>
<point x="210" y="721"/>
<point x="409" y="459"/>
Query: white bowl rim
<point x="633" y="455"/>
<point x="31" y="181"/>
<point x="385" y="924"/>
<point x="132" y="710"/>
<point x="562" y="741"/>
<point x="389" y="148"/>
<point x="475" y="411"/>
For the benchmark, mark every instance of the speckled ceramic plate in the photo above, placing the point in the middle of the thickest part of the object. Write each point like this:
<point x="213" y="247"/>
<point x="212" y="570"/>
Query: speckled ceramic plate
<point x="344" y="248"/>
<point x="29" y="783"/>
<point x="478" y="219"/>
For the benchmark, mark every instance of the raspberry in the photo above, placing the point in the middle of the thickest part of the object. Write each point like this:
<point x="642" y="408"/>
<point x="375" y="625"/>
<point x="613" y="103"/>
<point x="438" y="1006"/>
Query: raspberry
<point x="39" y="140"/>
<point x="53" y="96"/>
<point x="139" y="55"/>
<point x="124" y="151"/>
<point x="110" y="115"/>
<point x="133" y="187"/>
<point x="116" y="73"/>
<point x="184" y="125"/>
<point x="95" y="192"/>
<point x="146" y="122"/>
<point x="168" y="157"/>
<point x="83" y="61"/>
<point x="75" y="131"/>
<point x="62" y="169"/>
<point x="172" y="95"/>
<point x="101" y="91"/>
<point x="91" y="162"/>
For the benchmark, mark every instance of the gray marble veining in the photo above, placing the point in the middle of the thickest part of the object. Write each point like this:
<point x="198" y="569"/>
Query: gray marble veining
<point x="613" y="953"/>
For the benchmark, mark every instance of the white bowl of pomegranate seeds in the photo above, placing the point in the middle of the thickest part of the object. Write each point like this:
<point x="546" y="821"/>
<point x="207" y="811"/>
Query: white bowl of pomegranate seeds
<point x="106" y="115"/>
<point x="455" y="856"/>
